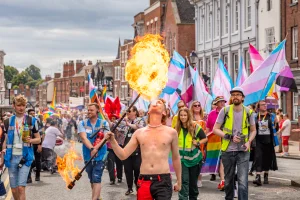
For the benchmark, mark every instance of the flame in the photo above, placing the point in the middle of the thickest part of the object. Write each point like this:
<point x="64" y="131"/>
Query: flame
<point x="147" y="69"/>
<point x="65" y="165"/>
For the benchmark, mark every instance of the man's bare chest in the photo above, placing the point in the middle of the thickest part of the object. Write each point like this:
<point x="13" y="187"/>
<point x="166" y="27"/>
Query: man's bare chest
<point x="155" y="141"/>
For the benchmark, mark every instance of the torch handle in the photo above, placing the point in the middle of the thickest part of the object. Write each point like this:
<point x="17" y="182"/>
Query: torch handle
<point x="78" y="176"/>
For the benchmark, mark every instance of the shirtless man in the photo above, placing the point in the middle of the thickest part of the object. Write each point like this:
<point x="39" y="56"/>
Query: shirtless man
<point x="156" y="141"/>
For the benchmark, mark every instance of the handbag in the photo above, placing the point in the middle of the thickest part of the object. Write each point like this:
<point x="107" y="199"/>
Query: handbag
<point x="2" y="187"/>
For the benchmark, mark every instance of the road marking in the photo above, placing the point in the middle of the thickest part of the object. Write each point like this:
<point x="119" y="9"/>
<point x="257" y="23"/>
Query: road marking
<point x="282" y="179"/>
<point x="9" y="195"/>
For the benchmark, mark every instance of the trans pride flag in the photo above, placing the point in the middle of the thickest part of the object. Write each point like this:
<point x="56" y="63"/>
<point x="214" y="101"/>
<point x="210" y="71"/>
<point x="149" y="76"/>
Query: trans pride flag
<point x="242" y="73"/>
<point x="259" y="83"/>
<point x="255" y="58"/>
<point x="175" y="73"/>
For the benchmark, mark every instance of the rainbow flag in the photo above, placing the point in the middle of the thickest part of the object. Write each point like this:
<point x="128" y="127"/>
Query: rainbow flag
<point x="53" y="103"/>
<point x="213" y="152"/>
<point x="104" y="93"/>
<point x="93" y="96"/>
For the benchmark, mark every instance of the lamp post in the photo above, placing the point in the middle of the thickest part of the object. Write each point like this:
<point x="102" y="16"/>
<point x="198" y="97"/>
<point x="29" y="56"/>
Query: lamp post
<point x="9" y="88"/>
<point x="193" y="58"/>
<point x="15" y="92"/>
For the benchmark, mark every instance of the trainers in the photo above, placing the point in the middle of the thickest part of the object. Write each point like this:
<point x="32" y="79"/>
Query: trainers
<point x="213" y="177"/>
<point x="221" y="185"/>
<point x="119" y="180"/>
<point x="199" y="184"/>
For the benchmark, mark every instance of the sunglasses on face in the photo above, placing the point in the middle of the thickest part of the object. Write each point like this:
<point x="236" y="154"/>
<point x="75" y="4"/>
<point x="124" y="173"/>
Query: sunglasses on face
<point x="197" y="105"/>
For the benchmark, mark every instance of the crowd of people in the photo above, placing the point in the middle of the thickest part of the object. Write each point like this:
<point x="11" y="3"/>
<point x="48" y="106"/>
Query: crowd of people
<point x="232" y="141"/>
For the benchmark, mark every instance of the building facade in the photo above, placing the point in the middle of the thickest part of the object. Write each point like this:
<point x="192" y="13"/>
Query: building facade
<point x="2" y="82"/>
<point x="224" y="29"/>
<point x="290" y="21"/>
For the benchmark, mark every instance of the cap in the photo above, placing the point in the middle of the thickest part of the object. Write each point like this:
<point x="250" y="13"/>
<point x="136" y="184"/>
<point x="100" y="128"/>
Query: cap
<point x="237" y="89"/>
<point x="219" y="98"/>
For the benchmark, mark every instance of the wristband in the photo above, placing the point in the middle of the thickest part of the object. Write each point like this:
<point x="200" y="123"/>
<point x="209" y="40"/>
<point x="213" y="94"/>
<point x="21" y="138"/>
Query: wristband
<point x="92" y="148"/>
<point x="228" y="137"/>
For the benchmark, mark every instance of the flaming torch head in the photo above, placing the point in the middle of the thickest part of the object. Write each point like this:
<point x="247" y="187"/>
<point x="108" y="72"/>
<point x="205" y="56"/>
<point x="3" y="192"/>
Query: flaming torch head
<point x="147" y="69"/>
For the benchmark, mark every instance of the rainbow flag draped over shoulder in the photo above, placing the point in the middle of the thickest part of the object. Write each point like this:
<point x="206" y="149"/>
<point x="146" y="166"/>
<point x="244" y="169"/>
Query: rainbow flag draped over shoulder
<point x="53" y="103"/>
<point x="213" y="151"/>
<point x="93" y="96"/>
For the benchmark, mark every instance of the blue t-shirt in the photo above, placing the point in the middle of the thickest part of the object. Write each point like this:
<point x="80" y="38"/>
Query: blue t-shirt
<point x="89" y="131"/>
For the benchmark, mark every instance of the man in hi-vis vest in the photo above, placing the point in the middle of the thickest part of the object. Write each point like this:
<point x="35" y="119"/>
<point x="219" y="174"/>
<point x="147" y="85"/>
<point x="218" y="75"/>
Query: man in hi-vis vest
<point x="236" y="126"/>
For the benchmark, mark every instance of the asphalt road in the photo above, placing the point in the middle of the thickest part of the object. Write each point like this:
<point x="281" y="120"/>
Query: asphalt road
<point x="52" y="187"/>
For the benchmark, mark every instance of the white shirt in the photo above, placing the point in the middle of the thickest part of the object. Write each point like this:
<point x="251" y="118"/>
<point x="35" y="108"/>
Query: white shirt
<point x="50" y="137"/>
<point x="287" y="131"/>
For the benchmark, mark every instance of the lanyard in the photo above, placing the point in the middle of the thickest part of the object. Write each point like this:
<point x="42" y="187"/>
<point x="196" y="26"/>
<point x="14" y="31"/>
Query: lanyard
<point x="263" y="118"/>
<point x="20" y="127"/>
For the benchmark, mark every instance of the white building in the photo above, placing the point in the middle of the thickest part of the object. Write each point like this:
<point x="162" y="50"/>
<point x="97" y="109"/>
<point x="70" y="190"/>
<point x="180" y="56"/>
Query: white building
<point x="223" y="30"/>
<point x="269" y="29"/>
<point x="2" y="82"/>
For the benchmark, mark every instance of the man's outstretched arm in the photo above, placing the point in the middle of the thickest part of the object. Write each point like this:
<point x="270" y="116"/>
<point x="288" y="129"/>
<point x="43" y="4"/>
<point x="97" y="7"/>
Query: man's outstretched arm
<point x="176" y="160"/>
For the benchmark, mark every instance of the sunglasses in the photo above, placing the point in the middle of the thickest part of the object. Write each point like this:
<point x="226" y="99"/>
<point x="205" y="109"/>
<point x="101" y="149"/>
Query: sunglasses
<point x="197" y="105"/>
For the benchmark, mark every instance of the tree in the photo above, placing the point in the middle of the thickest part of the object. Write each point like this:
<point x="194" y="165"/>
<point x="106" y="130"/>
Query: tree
<point x="34" y="72"/>
<point x="10" y="72"/>
<point x="22" y="78"/>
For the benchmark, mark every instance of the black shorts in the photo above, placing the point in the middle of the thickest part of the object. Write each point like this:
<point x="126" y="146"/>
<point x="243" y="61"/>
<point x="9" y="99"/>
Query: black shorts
<point x="154" y="186"/>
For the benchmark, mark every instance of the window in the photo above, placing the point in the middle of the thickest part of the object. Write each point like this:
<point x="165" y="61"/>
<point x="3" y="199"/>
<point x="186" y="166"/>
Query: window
<point x="269" y="5"/>
<point x="201" y="27"/>
<point x="235" y="61"/>
<point x="226" y="18"/>
<point x="126" y="91"/>
<point x="295" y="42"/>
<point x="294" y="1"/>
<point x="217" y="19"/>
<point x="119" y="71"/>
<point x="215" y="66"/>
<point x="123" y="74"/>
<point x="208" y="27"/>
<point x="295" y="106"/>
<point x="225" y="60"/>
<point x="247" y="61"/>
<point x="270" y="39"/>
<point x="248" y="14"/>
<point x="208" y="67"/>
<point x="235" y="17"/>
<point x="201" y="69"/>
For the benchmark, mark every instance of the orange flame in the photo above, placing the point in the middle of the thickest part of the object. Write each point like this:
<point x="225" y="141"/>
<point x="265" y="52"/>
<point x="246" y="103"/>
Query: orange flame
<point x="65" y="165"/>
<point x="147" y="69"/>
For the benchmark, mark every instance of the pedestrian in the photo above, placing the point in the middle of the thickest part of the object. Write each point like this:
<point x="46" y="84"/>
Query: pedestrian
<point x="265" y="158"/>
<point x="156" y="141"/>
<point x="236" y="125"/>
<point x="278" y="114"/>
<point x="191" y="136"/>
<point x="180" y="105"/>
<point x="197" y="116"/>
<point x="214" y="164"/>
<point x="37" y="149"/>
<point x="71" y="123"/>
<point x="285" y="132"/>
<point x="133" y="163"/>
<point x="48" y="145"/>
<point x="17" y="147"/>
<point x="91" y="146"/>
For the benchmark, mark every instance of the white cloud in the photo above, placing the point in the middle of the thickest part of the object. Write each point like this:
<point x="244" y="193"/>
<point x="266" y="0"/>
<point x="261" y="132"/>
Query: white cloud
<point x="48" y="33"/>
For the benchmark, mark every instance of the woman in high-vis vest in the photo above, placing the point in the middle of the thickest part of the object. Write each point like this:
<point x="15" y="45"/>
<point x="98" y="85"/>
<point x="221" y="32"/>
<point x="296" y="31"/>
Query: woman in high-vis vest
<point x="190" y="137"/>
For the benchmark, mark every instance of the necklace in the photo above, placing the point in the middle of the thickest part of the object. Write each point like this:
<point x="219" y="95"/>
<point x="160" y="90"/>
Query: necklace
<point x="154" y="126"/>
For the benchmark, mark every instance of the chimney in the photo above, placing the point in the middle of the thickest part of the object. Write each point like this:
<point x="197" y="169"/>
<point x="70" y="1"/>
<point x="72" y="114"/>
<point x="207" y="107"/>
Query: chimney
<point x="79" y="65"/>
<point x="56" y="75"/>
<point x="65" y="69"/>
<point x="90" y="63"/>
<point x="71" y="69"/>
<point x="48" y="78"/>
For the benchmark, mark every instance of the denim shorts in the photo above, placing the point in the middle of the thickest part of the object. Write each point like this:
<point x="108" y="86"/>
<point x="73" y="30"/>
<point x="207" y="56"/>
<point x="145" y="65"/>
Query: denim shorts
<point x="17" y="176"/>
<point x="95" y="171"/>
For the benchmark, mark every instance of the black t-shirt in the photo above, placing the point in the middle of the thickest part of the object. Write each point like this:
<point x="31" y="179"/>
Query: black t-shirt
<point x="264" y="129"/>
<point x="200" y="135"/>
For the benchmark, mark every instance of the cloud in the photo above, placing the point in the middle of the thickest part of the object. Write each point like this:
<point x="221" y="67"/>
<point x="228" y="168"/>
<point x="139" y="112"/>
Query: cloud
<point x="48" y="33"/>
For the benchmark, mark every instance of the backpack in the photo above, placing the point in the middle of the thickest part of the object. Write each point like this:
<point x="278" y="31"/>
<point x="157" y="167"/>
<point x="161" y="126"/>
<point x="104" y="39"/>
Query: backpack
<point x="226" y="116"/>
<point x="7" y="123"/>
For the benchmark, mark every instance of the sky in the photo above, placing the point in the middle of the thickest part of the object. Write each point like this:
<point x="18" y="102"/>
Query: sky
<point x="47" y="33"/>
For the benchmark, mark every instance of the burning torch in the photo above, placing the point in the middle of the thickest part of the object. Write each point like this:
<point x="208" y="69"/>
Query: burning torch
<point x="146" y="72"/>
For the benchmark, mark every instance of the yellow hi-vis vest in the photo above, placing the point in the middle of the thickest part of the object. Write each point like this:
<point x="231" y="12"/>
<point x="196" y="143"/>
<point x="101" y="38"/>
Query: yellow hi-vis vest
<point x="228" y="124"/>
<point x="190" y="155"/>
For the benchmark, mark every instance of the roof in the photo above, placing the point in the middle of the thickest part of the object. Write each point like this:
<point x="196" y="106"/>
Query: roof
<point x="82" y="71"/>
<point x="186" y="11"/>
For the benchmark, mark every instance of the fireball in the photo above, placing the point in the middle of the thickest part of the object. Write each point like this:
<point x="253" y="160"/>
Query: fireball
<point x="147" y="69"/>
<point x="66" y="166"/>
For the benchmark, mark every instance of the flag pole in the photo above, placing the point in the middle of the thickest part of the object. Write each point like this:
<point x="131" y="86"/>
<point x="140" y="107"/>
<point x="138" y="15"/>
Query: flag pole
<point x="271" y="72"/>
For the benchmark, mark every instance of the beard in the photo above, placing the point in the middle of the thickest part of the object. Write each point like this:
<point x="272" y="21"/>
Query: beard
<point x="237" y="102"/>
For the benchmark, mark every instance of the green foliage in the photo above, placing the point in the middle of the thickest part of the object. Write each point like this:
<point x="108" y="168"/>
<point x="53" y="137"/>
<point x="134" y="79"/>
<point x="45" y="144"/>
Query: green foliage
<point x="22" y="78"/>
<point x="10" y="72"/>
<point x="34" y="72"/>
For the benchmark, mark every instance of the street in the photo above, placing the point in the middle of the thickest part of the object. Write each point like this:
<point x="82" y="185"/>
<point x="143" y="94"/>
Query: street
<point x="53" y="187"/>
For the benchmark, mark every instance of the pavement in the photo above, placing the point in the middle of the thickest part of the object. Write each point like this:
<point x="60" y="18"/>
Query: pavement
<point x="53" y="187"/>
<point x="294" y="151"/>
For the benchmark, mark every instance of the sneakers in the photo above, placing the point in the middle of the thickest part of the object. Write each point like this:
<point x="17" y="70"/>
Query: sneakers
<point x="129" y="191"/>
<point x="221" y="186"/>
<point x="199" y="184"/>
<point x="213" y="177"/>
<point x="119" y="180"/>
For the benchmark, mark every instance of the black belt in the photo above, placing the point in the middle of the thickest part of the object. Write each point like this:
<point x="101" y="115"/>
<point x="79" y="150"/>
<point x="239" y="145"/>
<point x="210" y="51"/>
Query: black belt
<point x="154" y="177"/>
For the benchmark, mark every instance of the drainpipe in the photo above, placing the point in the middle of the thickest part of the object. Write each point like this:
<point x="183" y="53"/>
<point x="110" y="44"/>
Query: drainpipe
<point x="256" y="23"/>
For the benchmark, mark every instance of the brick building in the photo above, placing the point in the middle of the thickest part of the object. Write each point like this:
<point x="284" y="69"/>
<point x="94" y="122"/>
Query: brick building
<point x="290" y="21"/>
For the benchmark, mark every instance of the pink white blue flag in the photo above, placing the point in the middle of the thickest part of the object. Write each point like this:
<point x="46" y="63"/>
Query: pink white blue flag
<point x="259" y="83"/>
<point x="242" y="73"/>
<point x="222" y="83"/>
<point x="200" y="92"/>
<point x="255" y="58"/>
<point x="176" y="69"/>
